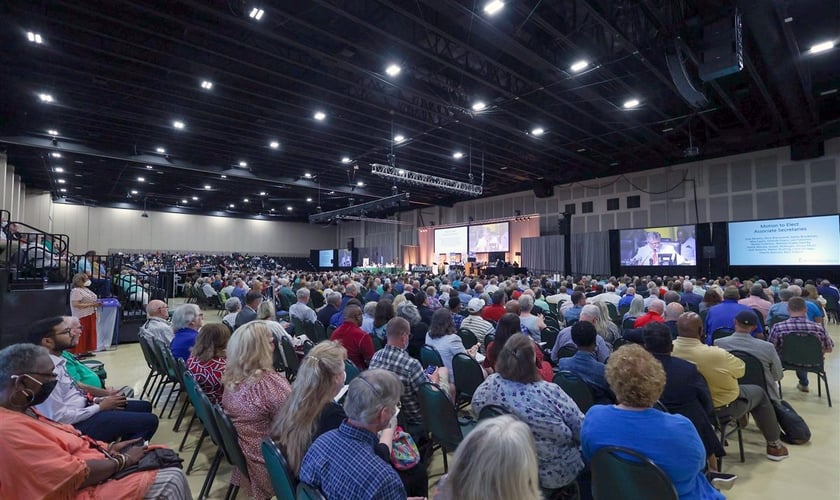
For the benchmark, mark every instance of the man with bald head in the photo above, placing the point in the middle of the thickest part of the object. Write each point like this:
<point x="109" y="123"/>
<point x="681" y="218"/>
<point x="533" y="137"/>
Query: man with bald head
<point x="357" y="342"/>
<point x="722" y="371"/>
<point x="655" y="311"/>
<point x="723" y="314"/>
<point x="672" y="313"/>
<point x="157" y="326"/>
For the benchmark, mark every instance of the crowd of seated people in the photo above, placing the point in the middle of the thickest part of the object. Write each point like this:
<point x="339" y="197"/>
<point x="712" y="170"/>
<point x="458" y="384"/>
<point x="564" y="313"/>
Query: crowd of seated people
<point x="675" y="365"/>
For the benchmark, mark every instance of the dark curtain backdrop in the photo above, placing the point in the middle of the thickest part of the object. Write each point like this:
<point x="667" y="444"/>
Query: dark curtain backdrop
<point x="544" y="254"/>
<point x="591" y="253"/>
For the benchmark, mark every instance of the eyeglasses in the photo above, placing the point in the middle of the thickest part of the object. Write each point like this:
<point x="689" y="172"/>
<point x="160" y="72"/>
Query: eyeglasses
<point x="66" y="331"/>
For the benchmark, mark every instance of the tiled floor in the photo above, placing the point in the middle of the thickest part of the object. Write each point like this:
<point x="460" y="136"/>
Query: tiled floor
<point x="811" y="473"/>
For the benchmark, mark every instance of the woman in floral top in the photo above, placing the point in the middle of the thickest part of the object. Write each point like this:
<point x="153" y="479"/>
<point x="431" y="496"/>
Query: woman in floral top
<point x="553" y="416"/>
<point x="207" y="359"/>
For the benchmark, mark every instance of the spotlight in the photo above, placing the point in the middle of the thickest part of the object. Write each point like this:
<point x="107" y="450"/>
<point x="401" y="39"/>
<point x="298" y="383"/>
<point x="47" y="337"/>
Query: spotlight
<point x="58" y="170"/>
<point x="245" y="200"/>
<point x="207" y="186"/>
<point x="319" y="115"/>
<point x="178" y="124"/>
<point x="479" y="106"/>
<point x="393" y="70"/>
<point x="579" y="66"/>
<point x="458" y="155"/>
<point x="160" y="150"/>
<point x="256" y="13"/>
<point x="184" y="202"/>
<point x="346" y="160"/>
<point x="134" y="191"/>
<point x="149" y="167"/>
<point x="141" y="179"/>
<point x="243" y="164"/>
<point x="55" y="154"/>
<point x="195" y="198"/>
<point x="631" y="103"/>
<point x="274" y="144"/>
<point x="206" y="84"/>
<point x="34" y="37"/>
<point x="289" y="208"/>
<point x="538" y="131"/>
<point x="262" y="193"/>
<point x="494" y="6"/>
<point x="821" y="47"/>
<point x="309" y="200"/>
<point x="399" y="138"/>
<point x="45" y="98"/>
<point x="52" y="132"/>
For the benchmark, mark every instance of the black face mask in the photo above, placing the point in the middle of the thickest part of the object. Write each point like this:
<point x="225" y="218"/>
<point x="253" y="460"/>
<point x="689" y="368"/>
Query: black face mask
<point x="43" y="393"/>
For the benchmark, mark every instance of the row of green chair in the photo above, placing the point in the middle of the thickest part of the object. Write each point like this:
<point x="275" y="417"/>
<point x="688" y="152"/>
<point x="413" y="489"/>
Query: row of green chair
<point x="283" y="481"/>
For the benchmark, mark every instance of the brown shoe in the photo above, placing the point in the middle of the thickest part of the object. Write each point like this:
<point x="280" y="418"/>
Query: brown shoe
<point x="803" y="388"/>
<point x="777" y="453"/>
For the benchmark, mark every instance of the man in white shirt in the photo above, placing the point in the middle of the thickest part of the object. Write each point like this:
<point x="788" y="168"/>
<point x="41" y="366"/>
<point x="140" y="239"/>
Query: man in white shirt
<point x="100" y="414"/>
<point x="609" y="295"/>
<point x="301" y="309"/>
<point x="157" y="326"/>
<point x="475" y="323"/>
<point x="207" y="288"/>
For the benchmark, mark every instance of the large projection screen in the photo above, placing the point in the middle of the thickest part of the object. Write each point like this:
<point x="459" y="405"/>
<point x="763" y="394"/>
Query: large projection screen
<point x="451" y="240"/>
<point x="325" y="258"/>
<point x="490" y="237"/>
<point x="803" y="241"/>
<point x="659" y="246"/>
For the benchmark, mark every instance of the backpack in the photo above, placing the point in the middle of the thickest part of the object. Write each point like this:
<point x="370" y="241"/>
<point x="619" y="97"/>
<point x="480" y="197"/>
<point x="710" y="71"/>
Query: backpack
<point x="794" y="428"/>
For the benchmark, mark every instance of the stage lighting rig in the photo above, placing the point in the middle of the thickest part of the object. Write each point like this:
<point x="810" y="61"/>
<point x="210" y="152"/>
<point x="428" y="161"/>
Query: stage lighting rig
<point x="418" y="179"/>
<point x="383" y="204"/>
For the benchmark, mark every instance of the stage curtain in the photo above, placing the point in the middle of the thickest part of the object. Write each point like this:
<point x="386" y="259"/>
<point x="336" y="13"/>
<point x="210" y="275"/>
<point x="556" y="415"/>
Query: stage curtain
<point x="591" y="253"/>
<point x="544" y="254"/>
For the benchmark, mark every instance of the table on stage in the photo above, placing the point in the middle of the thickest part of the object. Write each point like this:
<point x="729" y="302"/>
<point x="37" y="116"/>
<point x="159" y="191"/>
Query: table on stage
<point x="503" y="271"/>
<point x="377" y="269"/>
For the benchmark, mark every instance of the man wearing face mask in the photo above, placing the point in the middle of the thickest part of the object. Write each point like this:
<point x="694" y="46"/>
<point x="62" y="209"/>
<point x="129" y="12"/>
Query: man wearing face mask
<point x="99" y="413"/>
<point x="157" y="326"/>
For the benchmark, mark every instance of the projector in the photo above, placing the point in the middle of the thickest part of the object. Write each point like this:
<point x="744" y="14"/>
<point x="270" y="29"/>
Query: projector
<point x="691" y="152"/>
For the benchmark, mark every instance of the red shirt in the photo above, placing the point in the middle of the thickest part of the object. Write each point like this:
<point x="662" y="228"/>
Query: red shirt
<point x="649" y="317"/>
<point x="493" y="312"/>
<point x="357" y="342"/>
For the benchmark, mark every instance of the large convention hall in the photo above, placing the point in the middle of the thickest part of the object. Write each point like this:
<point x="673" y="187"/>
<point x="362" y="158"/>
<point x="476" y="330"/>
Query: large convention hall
<point x="426" y="250"/>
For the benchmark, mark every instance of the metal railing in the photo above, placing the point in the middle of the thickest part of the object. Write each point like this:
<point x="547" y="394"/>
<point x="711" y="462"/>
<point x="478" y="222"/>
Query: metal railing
<point x="33" y="255"/>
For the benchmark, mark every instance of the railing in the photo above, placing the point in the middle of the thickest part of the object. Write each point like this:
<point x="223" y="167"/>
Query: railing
<point x="33" y="255"/>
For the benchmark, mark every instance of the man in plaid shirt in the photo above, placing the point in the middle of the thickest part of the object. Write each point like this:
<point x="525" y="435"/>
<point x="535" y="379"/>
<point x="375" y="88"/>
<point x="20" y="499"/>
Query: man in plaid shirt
<point x="799" y="324"/>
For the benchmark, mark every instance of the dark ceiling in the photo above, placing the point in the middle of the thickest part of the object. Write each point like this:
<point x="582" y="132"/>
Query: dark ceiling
<point x="120" y="73"/>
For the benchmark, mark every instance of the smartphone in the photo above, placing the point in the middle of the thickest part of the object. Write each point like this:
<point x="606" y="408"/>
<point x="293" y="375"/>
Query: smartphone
<point x="430" y="369"/>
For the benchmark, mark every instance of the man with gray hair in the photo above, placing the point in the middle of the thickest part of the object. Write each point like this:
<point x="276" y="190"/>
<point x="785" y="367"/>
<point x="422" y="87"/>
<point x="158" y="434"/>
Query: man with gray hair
<point x="232" y="306"/>
<point x="348" y="462"/>
<point x="689" y="299"/>
<point x="592" y="314"/>
<point x="186" y="320"/>
<point x="301" y="309"/>
<point x="157" y="326"/>
<point x="332" y="307"/>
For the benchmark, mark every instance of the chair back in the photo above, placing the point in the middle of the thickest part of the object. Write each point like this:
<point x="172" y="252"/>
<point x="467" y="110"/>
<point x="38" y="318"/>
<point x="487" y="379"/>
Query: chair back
<point x="439" y="416"/>
<point x="576" y="388"/>
<point x="230" y="440"/>
<point x="309" y="492"/>
<point x="468" y="338"/>
<point x="627" y="324"/>
<point x="754" y="370"/>
<point x="802" y="351"/>
<point x="282" y="479"/>
<point x="166" y="360"/>
<point x="490" y="337"/>
<point x="613" y="311"/>
<point x="468" y="375"/>
<point x="567" y="351"/>
<point x="147" y="353"/>
<point x="330" y="330"/>
<point x="292" y="362"/>
<point x="778" y="318"/>
<point x="549" y="336"/>
<point x="720" y="333"/>
<point x="351" y="370"/>
<point x="203" y="407"/>
<point x="623" y="474"/>
<point x="377" y="342"/>
<point x="552" y="321"/>
<point x="430" y="356"/>
<point x="620" y="341"/>
<point x="319" y="332"/>
<point x="622" y="310"/>
<point x="491" y="411"/>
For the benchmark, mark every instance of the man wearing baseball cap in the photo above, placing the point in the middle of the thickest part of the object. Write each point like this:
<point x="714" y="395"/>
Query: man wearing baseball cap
<point x="474" y="323"/>
<point x="741" y="340"/>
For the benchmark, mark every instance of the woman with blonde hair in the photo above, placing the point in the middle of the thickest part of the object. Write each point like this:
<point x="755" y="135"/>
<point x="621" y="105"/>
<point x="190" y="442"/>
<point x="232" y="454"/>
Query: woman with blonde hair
<point x="253" y="394"/>
<point x="605" y="326"/>
<point x="399" y="299"/>
<point x="669" y="440"/>
<point x="637" y="308"/>
<point x="310" y="410"/>
<point x="497" y="459"/>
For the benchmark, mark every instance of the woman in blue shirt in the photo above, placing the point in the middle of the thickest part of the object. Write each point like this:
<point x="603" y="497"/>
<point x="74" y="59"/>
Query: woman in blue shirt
<point x="670" y="441"/>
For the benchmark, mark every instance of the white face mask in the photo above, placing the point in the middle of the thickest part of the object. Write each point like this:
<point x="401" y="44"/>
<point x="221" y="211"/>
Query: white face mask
<point x="87" y="283"/>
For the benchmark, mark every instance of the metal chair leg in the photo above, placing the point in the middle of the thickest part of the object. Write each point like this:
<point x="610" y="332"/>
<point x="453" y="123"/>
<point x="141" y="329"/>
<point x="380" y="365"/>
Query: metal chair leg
<point x="211" y="475"/>
<point x="195" y="453"/>
<point x="187" y="432"/>
<point x="175" y="403"/>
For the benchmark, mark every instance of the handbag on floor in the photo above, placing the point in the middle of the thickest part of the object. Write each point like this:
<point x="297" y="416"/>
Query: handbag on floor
<point x="794" y="428"/>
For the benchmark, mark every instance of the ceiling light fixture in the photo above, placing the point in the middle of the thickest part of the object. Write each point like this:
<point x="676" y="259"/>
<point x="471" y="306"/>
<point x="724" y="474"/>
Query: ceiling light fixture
<point x="134" y="191"/>
<point x="399" y="138"/>
<point x="195" y="198"/>
<point x="55" y="154"/>
<point x="256" y="13"/>
<point x="457" y="155"/>
<point x="246" y="200"/>
<point x="34" y="37"/>
<point x="223" y="176"/>
<point x="309" y="200"/>
<point x="668" y="129"/>
<point x="160" y="150"/>
<point x="52" y="132"/>
<point x="828" y="92"/>
<point x="307" y="175"/>
<point x="243" y="164"/>
<point x="45" y="97"/>
<point x="319" y="115"/>
<point x="479" y="106"/>
<point x="346" y="160"/>
<point x="262" y="193"/>
<point x="401" y="172"/>
<point x="581" y="150"/>
<point x="58" y="170"/>
<point x="63" y="190"/>
<point x="178" y="124"/>
<point x="141" y="179"/>
<point x="62" y="181"/>
<point x="393" y="70"/>
<point x="493" y="6"/>
<point x="821" y="47"/>
<point x="289" y="208"/>
<point x="207" y="186"/>
<point x="184" y="202"/>
<point x="206" y="84"/>
<point x="538" y="131"/>
<point x="149" y="167"/>
<point x="360" y="184"/>
<point x="274" y="144"/>
<point x="232" y="205"/>
<point x="631" y="103"/>
<point x="579" y="66"/>
<point x="272" y="210"/>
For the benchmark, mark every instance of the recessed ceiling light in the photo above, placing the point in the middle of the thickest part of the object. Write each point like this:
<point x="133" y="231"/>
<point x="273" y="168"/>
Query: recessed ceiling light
<point x="360" y="183"/>
<point x="331" y="193"/>
<point x="631" y="103"/>
<point x="246" y="200"/>
<point x="232" y="205"/>
<point x="63" y="190"/>
<point x="207" y="186"/>
<point x="256" y="13"/>
<point x="55" y="154"/>
<point x="243" y="164"/>
<point x="274" y="144"/>
<point x="160" y="150"/>
<point x="345" y="160"/>
<point x="307" y="175"/>
<point x="62" y="181"/>
<point x="195" y="198"/>
<point x="479" y="106"/>
<point x="141" y="179"/>
<point x="503" y="168"/>
<point x="581" y="150"/>
<point x="52" y="132"/>
<point x="34" y="37"/>
<point x="319" y="115"/>
<point x="821" y="47"/>
<point x="579" y="66"/>
<point x="399" y="138"/>
<point x="667" y="129"/>
<point x="223" y="176"/>
<point x="178" y="124"/>
<point x="46" y="97"/>
<point x="272" y="210"/>
<point x="457" y="155"/>
<point x="493" y="6"/>
<point x="134" y="191"/>
<point x="538" y="131"/>
<point x="614" y="164"/>
<point x="289" y="208"/>
<point x="149" y="167"/>
<point x="206" y="84"/>
<point x="58" y="170"/>
<point x="828" y="92"/>
<point x="184" y="201"/>
<point x="788" y="19"/>
<point x="309" y="200"/>
<point x="401" y="172"/>
<point x="393" y="70"/>
<point x="262" y="193"/>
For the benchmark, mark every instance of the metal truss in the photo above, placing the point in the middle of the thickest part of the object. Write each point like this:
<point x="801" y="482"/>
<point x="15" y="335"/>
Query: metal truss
<point x="416" y="178"/>
<point x="387" y="203"/>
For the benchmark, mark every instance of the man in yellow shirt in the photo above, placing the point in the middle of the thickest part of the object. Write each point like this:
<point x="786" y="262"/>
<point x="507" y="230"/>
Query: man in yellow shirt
<point x="722" y="371"/>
